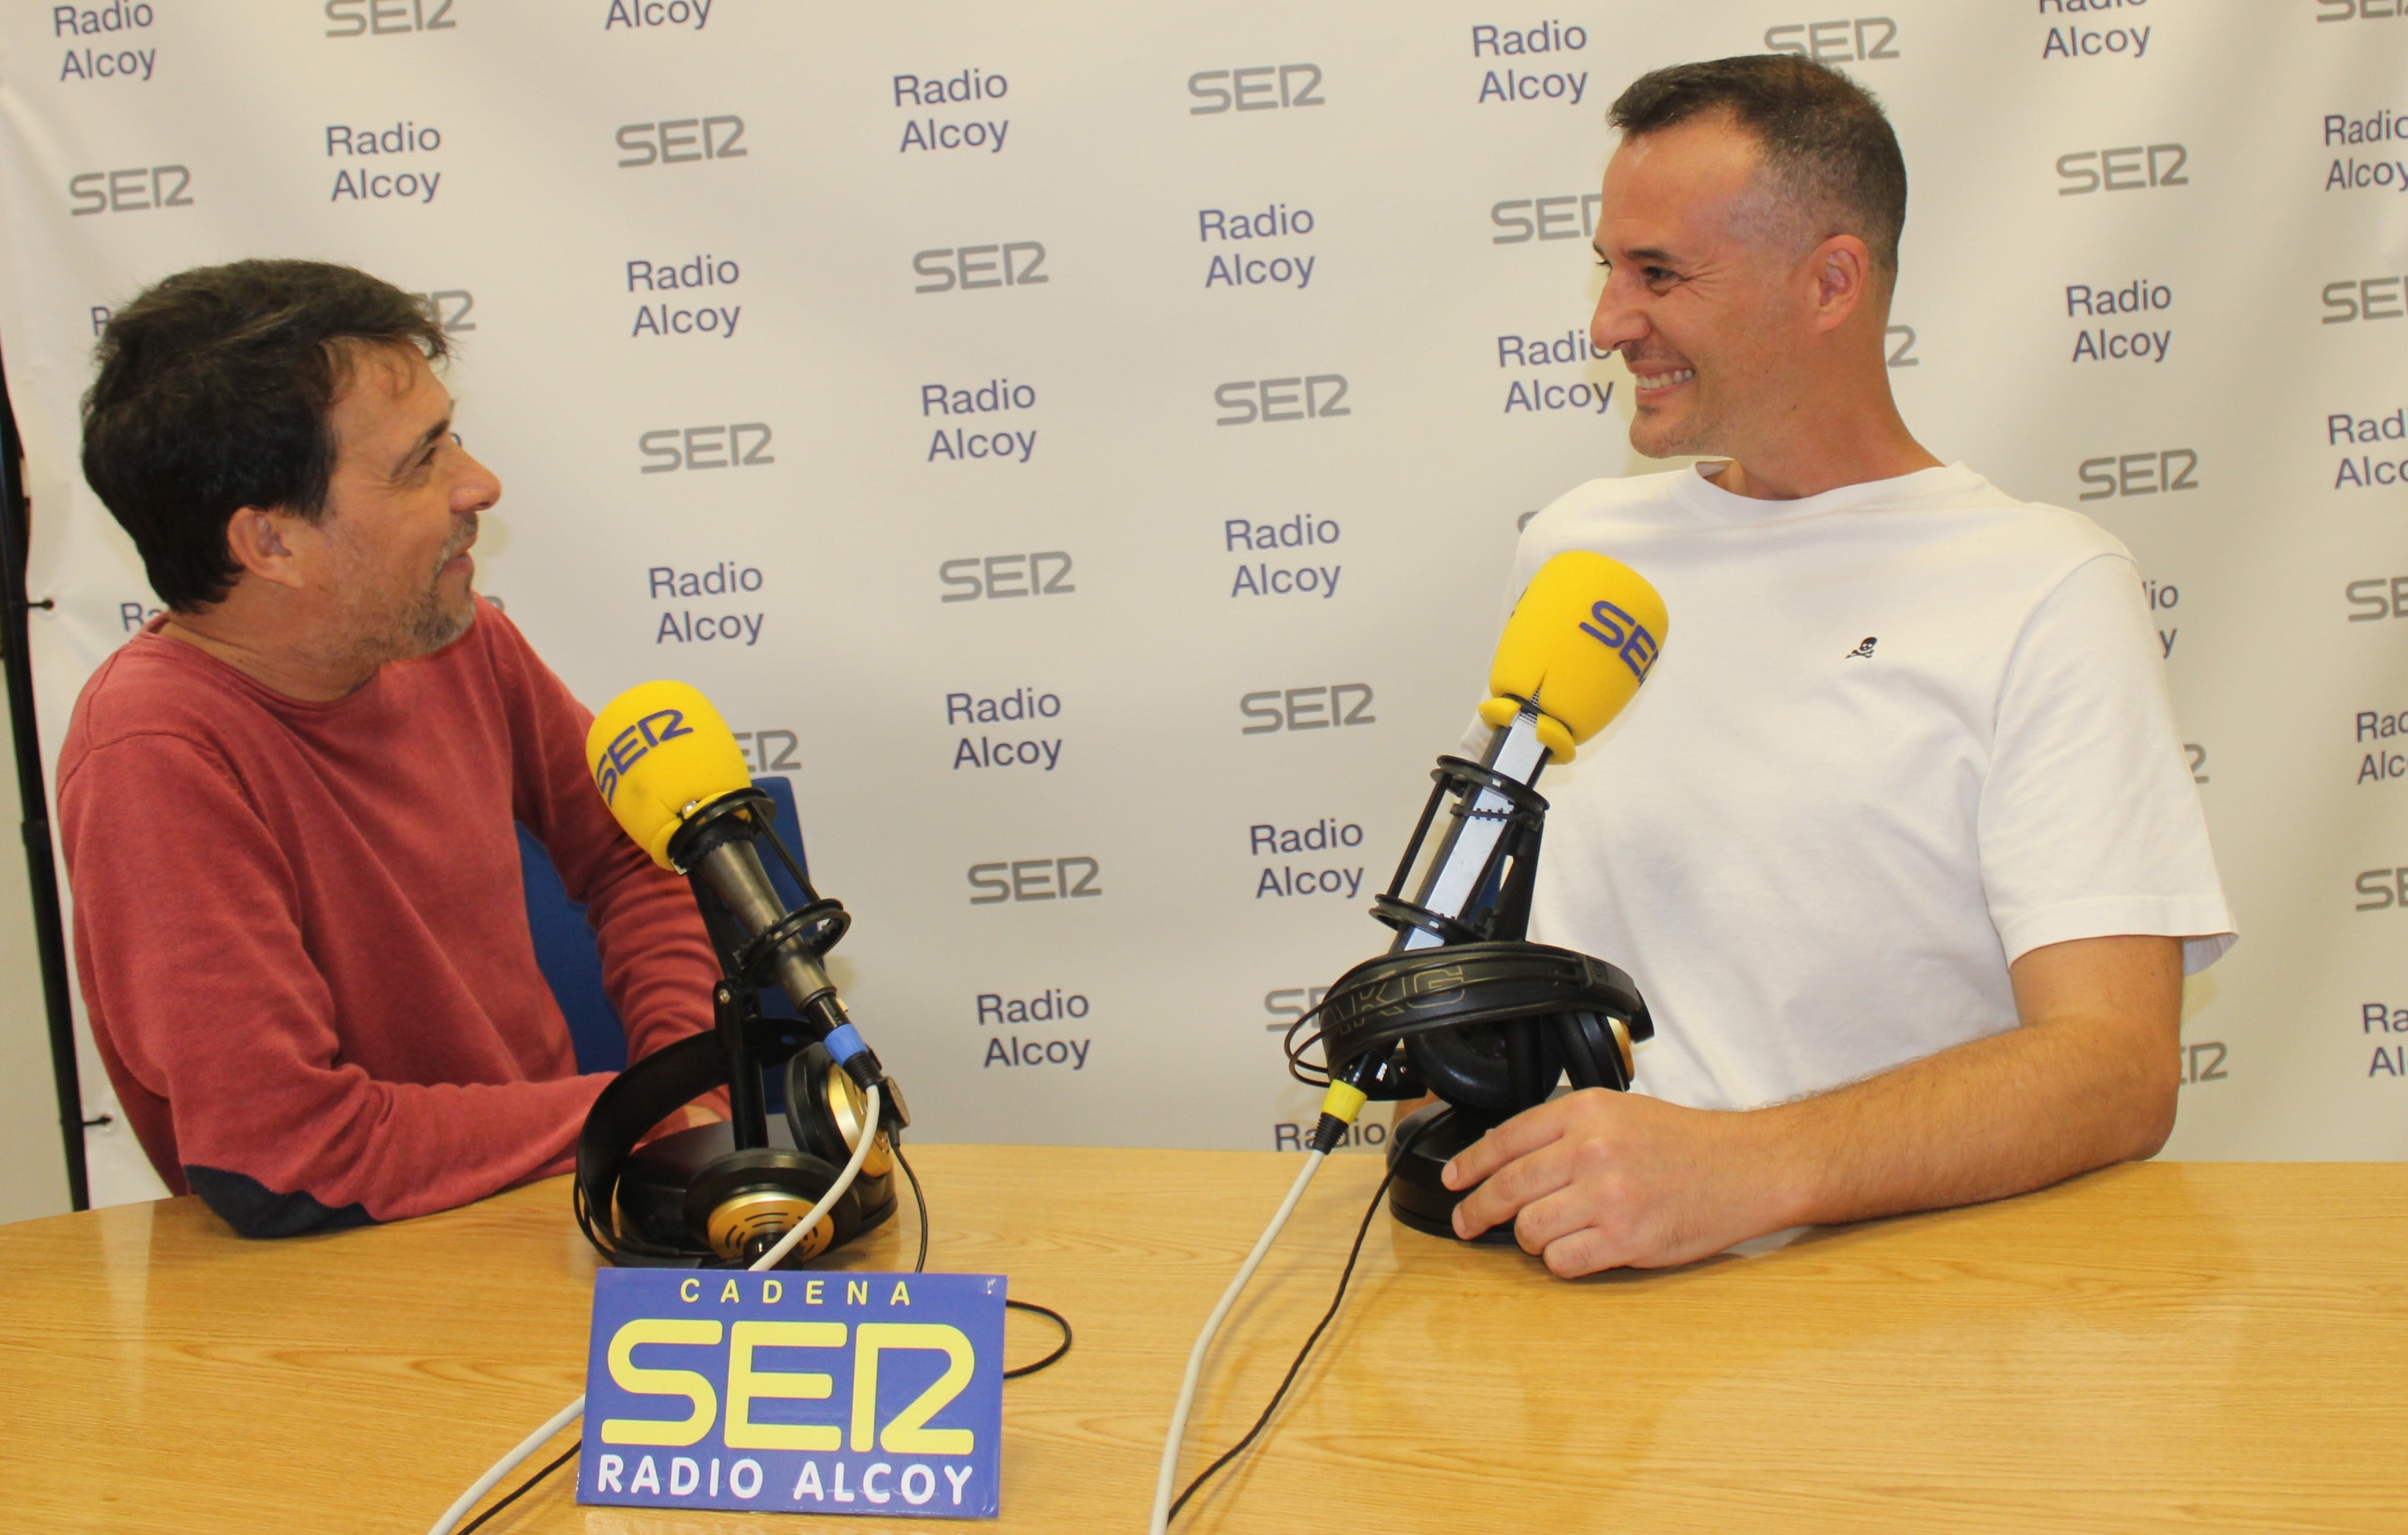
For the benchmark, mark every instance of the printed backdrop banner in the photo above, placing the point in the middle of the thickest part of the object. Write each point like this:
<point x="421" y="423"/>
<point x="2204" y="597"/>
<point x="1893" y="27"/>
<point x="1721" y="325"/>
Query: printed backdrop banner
<point x="1084" y="447"/>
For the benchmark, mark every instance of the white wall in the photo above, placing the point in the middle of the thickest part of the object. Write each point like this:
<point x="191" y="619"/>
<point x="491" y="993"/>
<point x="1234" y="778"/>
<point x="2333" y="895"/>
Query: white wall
<point x="2197" y="165"/>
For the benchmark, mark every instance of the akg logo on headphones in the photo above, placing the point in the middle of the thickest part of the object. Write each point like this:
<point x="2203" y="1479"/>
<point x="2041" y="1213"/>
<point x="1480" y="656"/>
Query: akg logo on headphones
<point x="1392" y="996"/>
<point x="627" y="748"/>
<point x="1624" y="635"/>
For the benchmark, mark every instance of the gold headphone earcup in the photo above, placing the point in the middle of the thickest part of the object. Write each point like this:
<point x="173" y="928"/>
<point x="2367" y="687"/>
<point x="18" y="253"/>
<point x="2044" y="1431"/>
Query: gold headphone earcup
<point x="746" y="1200"/>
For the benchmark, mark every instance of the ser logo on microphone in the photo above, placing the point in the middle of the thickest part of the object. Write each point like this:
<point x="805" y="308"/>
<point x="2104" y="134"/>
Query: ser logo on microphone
<point x="628" y="747"/>
<point x="1617" y="631"/>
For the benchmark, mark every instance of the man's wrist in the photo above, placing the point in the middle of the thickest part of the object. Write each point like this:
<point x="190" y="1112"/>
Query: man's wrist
<point x="1787" y="1172"/>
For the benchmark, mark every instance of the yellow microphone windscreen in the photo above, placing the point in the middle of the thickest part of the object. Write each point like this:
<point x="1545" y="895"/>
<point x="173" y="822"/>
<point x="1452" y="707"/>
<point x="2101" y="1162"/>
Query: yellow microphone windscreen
<point x="657" y="749"/>
<point x="1581" y="640"/>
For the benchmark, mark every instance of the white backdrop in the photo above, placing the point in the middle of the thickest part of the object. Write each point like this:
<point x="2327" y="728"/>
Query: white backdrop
<point x="1182" y="373"/>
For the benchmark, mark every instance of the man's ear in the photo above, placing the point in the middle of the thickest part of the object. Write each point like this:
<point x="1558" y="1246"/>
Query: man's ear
<point x="263" y="542"/>
<point x="1841" y="269"/>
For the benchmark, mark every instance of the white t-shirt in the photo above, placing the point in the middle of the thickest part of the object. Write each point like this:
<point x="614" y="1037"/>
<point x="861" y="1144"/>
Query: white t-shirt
<point x="1899" y="734"/>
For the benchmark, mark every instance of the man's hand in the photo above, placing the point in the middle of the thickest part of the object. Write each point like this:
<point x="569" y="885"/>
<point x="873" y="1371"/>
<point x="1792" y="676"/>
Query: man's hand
<point x="1598" y="1180"/>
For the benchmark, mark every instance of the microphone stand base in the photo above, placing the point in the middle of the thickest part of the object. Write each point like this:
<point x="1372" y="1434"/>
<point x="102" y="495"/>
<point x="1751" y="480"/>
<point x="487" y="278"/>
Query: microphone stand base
<point x="1419" y="1148"/>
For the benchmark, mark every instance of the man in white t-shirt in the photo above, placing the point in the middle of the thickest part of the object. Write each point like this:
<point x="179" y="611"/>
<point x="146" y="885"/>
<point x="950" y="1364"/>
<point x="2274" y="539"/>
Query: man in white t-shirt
<point x="1899" y="841"/>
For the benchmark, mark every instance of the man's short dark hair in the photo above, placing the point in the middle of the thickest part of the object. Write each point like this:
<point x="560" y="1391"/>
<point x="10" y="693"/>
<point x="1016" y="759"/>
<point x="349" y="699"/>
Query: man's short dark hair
<point x="1827" y="149"/>
<point x="214" y="393"/>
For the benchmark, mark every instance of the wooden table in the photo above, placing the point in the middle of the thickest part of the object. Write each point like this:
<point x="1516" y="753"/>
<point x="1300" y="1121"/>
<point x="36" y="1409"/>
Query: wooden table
<point x="2194" y="1346"/>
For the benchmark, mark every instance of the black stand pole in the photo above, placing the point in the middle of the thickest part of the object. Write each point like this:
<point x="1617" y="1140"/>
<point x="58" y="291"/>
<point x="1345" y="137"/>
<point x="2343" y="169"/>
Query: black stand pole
<point x="41" y="869"/>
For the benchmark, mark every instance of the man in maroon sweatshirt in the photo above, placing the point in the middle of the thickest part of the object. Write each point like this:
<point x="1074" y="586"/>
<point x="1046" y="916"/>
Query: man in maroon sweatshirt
<point x="288" y="803"/>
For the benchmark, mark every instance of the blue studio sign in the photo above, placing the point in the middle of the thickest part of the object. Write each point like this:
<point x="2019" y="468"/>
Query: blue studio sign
<point x="798" y="1393"/>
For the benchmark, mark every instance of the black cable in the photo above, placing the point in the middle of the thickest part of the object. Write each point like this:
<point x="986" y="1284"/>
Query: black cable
<point x="1306" y="1352"/>
<point x="1293" y="1049"/>
<point x="894" y="1143"/>
<point x="922" y="1267"/>
<point x="522" y="1490"/>
<point x="1059" y="1320"/>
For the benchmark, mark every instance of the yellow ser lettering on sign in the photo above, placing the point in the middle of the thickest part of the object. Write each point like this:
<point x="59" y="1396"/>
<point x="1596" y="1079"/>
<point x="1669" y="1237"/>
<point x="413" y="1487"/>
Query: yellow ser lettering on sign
<point x="746" y="1384"/>
<point x="908" y="1433"/>
<point x="637" y="1379"/>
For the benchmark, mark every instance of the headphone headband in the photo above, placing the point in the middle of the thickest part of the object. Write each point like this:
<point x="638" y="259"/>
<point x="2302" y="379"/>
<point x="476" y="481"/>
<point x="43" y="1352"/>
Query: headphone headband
<point x="1399" y="997"/>
<point x="638" y="1098"/>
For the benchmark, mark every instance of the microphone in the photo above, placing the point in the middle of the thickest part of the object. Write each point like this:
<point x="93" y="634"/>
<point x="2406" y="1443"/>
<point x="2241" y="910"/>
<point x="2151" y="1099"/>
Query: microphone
<point x="674" y="778"/>
<point x="1582" y="637"/>
<point x="1487" y="1021"/>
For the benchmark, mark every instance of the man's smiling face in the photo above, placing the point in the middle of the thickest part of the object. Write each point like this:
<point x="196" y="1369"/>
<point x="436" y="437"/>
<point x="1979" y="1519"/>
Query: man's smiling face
<point x="1702" y="294"/>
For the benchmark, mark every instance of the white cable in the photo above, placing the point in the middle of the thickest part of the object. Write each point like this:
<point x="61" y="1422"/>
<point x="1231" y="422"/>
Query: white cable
<point x="796" y="1233"/>
<point x="508" y="1464"/>
<point x="569" y="1415"/>
<point x="1170" y="1473"/>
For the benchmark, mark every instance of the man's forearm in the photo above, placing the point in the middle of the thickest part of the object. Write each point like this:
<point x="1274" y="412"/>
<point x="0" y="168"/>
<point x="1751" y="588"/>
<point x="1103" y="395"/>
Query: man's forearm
<point x="1597" y="1180"/>
<point x="2091" y="1080"/>
<point x="1984" y="1120"/>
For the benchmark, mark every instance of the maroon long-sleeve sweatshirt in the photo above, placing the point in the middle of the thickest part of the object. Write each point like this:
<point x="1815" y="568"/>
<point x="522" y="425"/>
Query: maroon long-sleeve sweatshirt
<point x="302" y="934"/>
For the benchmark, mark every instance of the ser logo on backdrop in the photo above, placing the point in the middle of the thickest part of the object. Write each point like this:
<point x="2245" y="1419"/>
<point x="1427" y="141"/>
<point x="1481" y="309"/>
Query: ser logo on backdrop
<point x="2204" y="1062"/>
<point x="1316" y="396"/>
<point x="135" y="190"/>
<point x="1323" y="707"/>
<point x="2138" y="473"/>
<point x="106" y="61"/>
<point x="992" y="578"/>
<point x="769" y="751"/>
<point x="1505" y="84"/>
<point x="1071" y="878"/>
<point x="2353" y="299"/>
<point x="1256" y="87"/>
<point x="388" y="17"/>
<point x="2361" y="10"/>
<point x="1863" y="38"/>
<point x="968" y="87"/>
<point x="449" y="308"/>
<point x="2129" y="167"/>
<point x="1572" y="216"/>
<point x="681" y="141"/>
<point x="739" y="445"/>
<point x="1286" y="1004"/>
<point x="1011" y="264"/>
<point x="2377" y="597"/>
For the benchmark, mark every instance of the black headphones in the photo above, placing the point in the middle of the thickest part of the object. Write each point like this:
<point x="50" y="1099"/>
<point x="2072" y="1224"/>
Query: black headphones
<point x="1488" y="1026"/>
<point x="1475" y="1013"/>
<point x="691" y="1199"/>
<point x="722" y="1193"/>
<point x="1488" y="1022"/>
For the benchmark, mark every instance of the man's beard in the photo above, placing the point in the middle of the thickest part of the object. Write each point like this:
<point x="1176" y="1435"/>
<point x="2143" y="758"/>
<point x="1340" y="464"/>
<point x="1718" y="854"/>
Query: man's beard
<point x="1663" y="439"/>
<point x="421" y="626"/>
